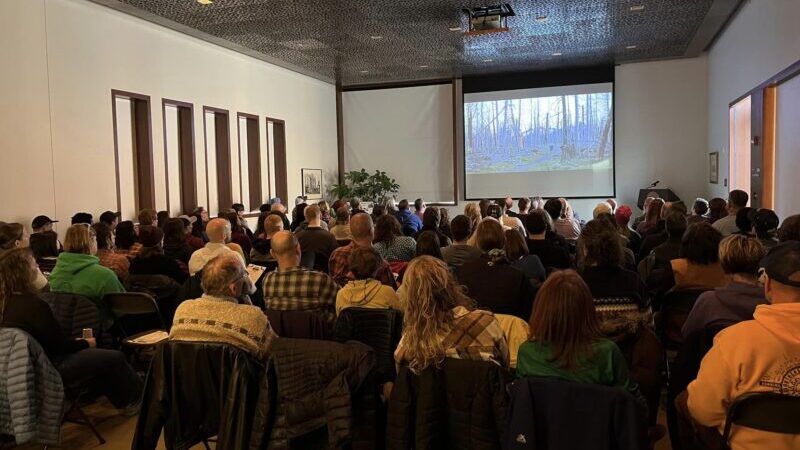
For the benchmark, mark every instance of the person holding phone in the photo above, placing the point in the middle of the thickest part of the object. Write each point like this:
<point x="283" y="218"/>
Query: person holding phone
<point x="77" y="360"/>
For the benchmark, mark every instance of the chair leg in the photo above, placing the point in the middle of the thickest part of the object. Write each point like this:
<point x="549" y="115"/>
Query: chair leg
<point x="205" y="444"/>
<point x="83" y="420"/>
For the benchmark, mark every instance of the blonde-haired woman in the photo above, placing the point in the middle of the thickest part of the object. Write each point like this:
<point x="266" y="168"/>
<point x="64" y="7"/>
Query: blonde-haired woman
<point x="473" y="211"/>
<point x="77" y="360"/>
<point x="78" y="270"/>
<point x="566" y="225"/>
<point x="440" y="321"/>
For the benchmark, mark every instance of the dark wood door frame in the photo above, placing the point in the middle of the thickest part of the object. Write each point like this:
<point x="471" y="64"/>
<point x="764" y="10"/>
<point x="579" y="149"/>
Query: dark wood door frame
<point x="187" y="160"/>
<point x="143" y="140"/>
<point x="279" y="150"/>
<point x="254" y="196"/>
<point x="222" y="156"/>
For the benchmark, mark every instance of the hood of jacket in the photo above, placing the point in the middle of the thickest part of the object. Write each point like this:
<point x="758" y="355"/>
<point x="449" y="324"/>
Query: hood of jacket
<point x="782" y="320"/>
<point x="625" y="325"/>
<point x="73" y="263"/>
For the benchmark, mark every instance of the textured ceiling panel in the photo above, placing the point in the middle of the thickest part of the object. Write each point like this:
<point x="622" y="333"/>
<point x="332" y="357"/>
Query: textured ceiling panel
<point x="356" y="42"/>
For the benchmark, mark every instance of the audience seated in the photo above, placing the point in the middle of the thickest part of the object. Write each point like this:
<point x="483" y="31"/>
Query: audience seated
<point x="473" y="212"/>
<point x="105" y="251"/>
<point x="410" y="223"/>
<point x="744" y="221"/>
<point x="341" y="231"/>
<point x="758" y="355"/>
<point x="270" y="225"/>
<point x="699" y="211"/>
<point x="238" y="233"/>
<point x="509" y="221"/>
<point x="355" y="207"/>
<point x="547" y="247"/>
<point x="491" y="280"/>
<point x="565" y="338"/>
<point x="390" y="242"/>
<point x="739" y="257"/>
<point x="219" y="234"/>
<point x="240" y="212"/>
<point x="602" y="208"/>
<point x="78" y="270"/>
<point x="612" y="286"/>
<point x="364" y="291"/>
<point x="622" y="216"/>
<point x="444" y="223"/>
<point x="176" y="244"/>
<point x="652" y="217"/>
<point x="14" y="235"/>
<point x="315" y="238"/>
<point x="440" y="322"/>
<point x="280" y="210"/>
<point x="147" y="218"/>
<point x="717" y="209"/>
<point x="325" y="214"/>
<point x="647" y="201"/>
<point x="524" y="207"/>
<point x="363" y="234"/>
<point x="567" y="226"/>
<point x="81" y="218"/>
<point x="521" y="259"/>
<point x="790" y="229"/>
<point x="161" y="219"/>
<point x="698" y="267"/>
<point x="428" y="244"/>
<point x="217" y="316"/>
<point x="151" y="259"/>
<point x="44" y="241"/>
<point x="669" y="247"/>
<point x="296" y="288"/>
<point x="737" y="199"/>
<point x="459" y="251"/>
<point x="419" y="208"/>
<point x="298" y="213"/>
<point x="111" y="219"/>
<point x="765" y="227"/>
<point x="431" y="220"/>
<point x="125" y="240"/>
<point x="77" y="360"/>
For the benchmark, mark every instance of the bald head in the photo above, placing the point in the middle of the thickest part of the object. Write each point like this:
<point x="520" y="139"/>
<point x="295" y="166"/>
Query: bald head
<point x="218" y="230"/>
<point x="361" y="228"/>
<point x="285" y="249"/>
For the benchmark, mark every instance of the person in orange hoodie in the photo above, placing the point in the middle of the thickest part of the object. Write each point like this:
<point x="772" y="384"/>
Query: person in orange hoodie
<point x="760" y="355"/>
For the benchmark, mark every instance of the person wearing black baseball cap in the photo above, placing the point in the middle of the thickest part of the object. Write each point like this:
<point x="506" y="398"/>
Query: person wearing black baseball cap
<point x="759" y="355"/>
<point x="42" y="223"/>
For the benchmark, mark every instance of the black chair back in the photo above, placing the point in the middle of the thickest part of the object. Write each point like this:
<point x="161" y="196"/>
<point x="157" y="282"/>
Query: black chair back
<point x="161" y="287"/>
<point x="343" y="242"/>
<point x="380" y="329"/>
<point x="300" y="324"/>
<point x="73" y="313"/>
<point x="765" y="411"/>
<point x="135" y="312"/>
<point x="195" y="391"/>
<point x="675" y="309"/>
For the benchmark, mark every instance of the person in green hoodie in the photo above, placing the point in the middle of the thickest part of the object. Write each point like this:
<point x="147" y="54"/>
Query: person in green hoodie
<point x="78" y="271"/>
<point x="565" y="338"/>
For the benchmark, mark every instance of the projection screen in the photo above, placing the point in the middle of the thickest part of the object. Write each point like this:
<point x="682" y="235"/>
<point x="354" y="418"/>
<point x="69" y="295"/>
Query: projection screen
<point x="551" y="142"/>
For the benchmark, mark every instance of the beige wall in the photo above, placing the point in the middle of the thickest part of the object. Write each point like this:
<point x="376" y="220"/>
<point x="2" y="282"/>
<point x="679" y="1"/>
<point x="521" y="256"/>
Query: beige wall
<point x="760" y="41"/>
<point x="87" y="50"/>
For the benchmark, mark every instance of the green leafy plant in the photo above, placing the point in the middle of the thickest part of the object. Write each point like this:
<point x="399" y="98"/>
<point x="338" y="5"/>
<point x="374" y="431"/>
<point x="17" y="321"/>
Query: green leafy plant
<point x="360" y="184"/>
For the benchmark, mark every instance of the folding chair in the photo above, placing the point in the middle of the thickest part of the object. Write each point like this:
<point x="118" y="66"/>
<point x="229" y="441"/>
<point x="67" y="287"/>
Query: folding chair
<point x="765" y="411"/>
<point x="136" y="315"/>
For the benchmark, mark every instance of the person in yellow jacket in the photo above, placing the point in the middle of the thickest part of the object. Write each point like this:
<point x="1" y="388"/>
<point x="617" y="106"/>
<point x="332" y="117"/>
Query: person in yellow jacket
<point x="760" y="355"/>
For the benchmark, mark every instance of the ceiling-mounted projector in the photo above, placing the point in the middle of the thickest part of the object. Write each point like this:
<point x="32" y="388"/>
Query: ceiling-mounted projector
<point x="489" y="19"/>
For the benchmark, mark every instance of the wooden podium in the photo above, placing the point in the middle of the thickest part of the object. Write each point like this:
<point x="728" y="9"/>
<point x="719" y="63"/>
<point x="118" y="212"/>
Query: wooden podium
<point x="665" y="194"/>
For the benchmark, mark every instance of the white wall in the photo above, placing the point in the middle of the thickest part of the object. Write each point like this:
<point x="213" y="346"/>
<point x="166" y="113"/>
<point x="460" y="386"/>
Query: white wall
<point x="760" y="41"/>
<point x="85" y="50"/>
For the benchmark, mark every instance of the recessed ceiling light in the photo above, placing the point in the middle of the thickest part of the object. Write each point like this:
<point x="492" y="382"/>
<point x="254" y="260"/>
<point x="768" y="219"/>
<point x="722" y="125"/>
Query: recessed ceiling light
<point x="424" y="66"/>
<point x="205" y="2"/>
<point x="630" y="47"/>
<point x="541" y="19"/>
<point x="487" y="60"/>
<point x="376" y="37"/>
<point x="364" y="71"/>
<point x="455" y="28"/>
<point x="637" y="8"/>
<point x="556" y="53"/>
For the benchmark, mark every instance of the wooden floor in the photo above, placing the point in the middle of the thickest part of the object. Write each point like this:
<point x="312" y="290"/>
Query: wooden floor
<point x="118" y="431"/>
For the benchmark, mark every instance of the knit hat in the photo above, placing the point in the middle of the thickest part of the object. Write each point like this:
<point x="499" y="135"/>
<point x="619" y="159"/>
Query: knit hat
<point x="623" y="214"/>
<point x="150" y="236"/>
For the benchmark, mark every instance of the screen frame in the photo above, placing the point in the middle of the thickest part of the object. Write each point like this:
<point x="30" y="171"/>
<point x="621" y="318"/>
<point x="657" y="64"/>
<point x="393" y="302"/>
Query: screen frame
<point x="529" y="80"/>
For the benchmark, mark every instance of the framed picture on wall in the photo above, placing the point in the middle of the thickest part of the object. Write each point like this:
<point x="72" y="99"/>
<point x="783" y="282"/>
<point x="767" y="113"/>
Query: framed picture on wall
<point x="312" y="183"/>
<point x="713" y="167"/>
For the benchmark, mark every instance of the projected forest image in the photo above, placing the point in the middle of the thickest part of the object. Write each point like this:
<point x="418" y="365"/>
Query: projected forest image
<point x="568" y="132"/>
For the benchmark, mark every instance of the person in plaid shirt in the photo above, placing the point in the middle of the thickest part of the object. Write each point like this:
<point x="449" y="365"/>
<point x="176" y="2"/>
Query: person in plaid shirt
<point x="292" y="287"/>
<point x="440" y="321"/>
<point x="363" y="233"/>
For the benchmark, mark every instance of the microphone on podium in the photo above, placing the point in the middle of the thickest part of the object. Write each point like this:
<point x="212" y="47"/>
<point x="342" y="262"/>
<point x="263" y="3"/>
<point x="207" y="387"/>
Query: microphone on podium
<point x="654" y="184"/>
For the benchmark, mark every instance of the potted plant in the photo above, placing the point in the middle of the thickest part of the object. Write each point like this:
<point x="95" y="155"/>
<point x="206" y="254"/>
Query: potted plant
<point x="375" y="188"/>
